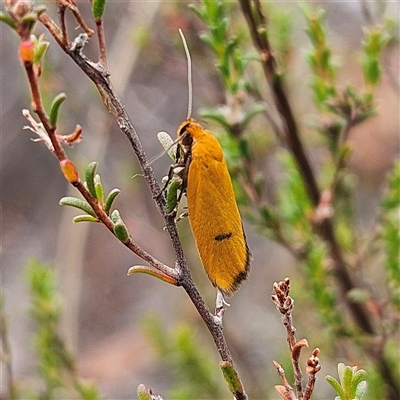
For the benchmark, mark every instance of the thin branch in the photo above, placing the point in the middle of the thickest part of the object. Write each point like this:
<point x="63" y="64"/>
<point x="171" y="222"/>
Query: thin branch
<point x="74" y="9"/>
<point x="286" y="391"/>
<point x="61" y="17"/>
<point x="40" y="111"/>
<point x="102" y="43"/>
<point x="284" y="304"/>
<point x="257" y="25"/>
<point x="313" y="367"/>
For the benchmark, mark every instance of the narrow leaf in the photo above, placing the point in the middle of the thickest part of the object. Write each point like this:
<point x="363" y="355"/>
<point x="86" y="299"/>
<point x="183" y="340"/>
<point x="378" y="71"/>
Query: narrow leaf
<point x="172" y="194"/>
<point x="55" y="108"/>
<point x="143" y="393"/>
<point x="8" y="20"/>
<point x="84" y="218"/>
<point x="336" y="385"/>
<point x="151" y="271"/>
<point x="98" y="7"/>
<point x="77" y="203"/>
<point x="361" y="389"/>
<point x="69" y="170"/>
<point x="99" y="188"/>
<point x="358" y="377"/>
<point x="231" y="377"/>
<point x="89" y="176"/>
<point x="121" y="232"/>
<point x="347" y="379"/>
<point x="110" y="199"/>
<point x="168" y="144"/>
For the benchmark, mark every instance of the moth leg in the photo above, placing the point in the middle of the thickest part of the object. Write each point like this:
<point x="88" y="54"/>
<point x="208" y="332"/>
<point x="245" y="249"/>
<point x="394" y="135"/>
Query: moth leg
<point x="220" y="306"/>
<point x="181" y="217"/>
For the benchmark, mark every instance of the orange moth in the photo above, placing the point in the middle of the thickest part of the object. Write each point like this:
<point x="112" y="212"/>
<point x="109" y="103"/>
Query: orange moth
<point x="213" y="213"/>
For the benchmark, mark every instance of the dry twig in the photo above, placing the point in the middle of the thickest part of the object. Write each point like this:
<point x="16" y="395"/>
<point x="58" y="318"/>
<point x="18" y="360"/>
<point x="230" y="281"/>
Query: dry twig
<point x="284" y="304"/>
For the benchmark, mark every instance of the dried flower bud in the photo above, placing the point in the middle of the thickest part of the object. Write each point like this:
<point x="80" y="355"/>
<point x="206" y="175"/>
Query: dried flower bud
<point x="313" y="365"/>
<point x="27" y="51"/>
<point x="297" y="348"/>
<point x="69" y="171"/>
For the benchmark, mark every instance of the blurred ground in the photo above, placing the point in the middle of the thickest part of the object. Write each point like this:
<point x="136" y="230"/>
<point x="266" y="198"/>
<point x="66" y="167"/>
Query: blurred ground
<point x="103" y="307"/>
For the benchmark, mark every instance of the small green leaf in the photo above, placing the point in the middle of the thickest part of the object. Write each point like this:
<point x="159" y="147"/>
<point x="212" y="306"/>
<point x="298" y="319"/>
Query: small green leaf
<point x="99" y="188"/>
<point x="153" y="272"/>
<point x="120" y="229"/>
<point x="8" y="20"/>
<point x="41" y="50"/>
<point x="255" y="110"/>
<point x="372" y="70"/>
<point x="358" y="383"/>
<point x="78" y="203"/>
<point x="110" y="199"/>
<point x="231" y="377"/>
<point x="168" y="144"/>
<point x="347" y="380"/>
<point x="361" y="389"/>
<point x="336" y="385"/>
<point x="198" y="13"/>
<point x="29" y="20"/>
<point x="84" y="218"/>
<point x="215" y="115"/>
<point x="172" y="193"/>
<point x="143" y="393"/>
<point x="115" y="216"/>
<point x="55" y="108"/>
<point x="121" y="232"/>
<point x="41" y="46"/>
<point x="98" y="7"/>
<point x="40" y="9"/>
<point x="89" y="176"/>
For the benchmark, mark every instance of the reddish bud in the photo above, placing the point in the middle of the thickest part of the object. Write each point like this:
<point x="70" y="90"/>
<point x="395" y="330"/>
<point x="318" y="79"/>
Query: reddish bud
<point x="26" y="51"/>
<point x="69" y="171"/>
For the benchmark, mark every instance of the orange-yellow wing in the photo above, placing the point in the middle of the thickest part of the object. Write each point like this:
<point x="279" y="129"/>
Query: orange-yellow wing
<point x="214" y="215"/>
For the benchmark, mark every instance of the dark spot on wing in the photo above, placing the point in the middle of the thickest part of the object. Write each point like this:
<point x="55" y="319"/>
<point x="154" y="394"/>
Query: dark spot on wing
<point x="224" y="236"/>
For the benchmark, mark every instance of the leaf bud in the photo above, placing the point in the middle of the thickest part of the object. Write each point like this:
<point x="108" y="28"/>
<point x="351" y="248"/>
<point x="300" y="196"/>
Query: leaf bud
<point x="69" y="171"/>
<point x="27" y="51"/>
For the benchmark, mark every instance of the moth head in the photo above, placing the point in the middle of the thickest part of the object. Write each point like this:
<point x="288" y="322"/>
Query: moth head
<point x="184" y="135"/>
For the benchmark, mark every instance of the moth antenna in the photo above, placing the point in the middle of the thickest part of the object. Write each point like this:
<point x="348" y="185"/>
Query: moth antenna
<point x="189" y="73"/>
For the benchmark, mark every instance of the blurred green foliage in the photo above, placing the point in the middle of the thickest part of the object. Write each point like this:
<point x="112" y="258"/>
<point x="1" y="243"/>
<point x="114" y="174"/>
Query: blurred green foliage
<point x="390" y="234"/>
<point x="193" y="368"/>
<point x="351" y="384"/>
<point x="56" y="365"/>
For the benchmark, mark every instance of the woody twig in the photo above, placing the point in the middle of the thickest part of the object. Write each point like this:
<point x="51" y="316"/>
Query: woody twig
<point x="284" y="304"/>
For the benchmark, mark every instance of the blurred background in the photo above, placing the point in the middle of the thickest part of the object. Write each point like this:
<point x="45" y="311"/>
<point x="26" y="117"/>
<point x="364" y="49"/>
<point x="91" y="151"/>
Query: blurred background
<point x="106" y="313"/>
